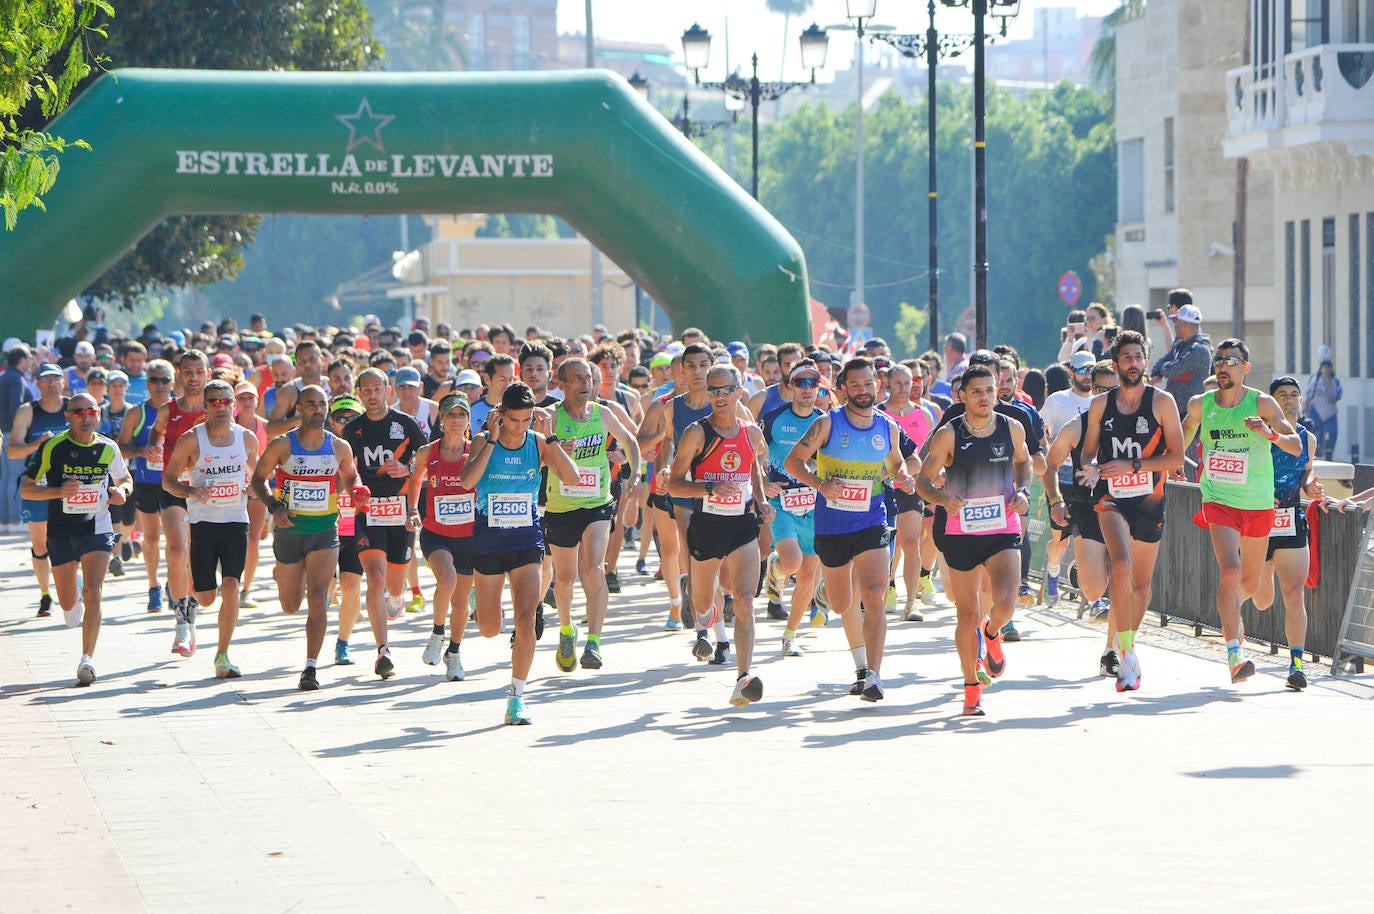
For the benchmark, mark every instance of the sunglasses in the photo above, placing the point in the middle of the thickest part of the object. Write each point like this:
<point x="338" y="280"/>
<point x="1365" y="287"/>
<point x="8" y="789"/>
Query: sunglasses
<point x="1228" y="360"/>
<point x="1099" y="389"/>
<point x="640" y="386"/>
<point x="156" y="380"/>
<point x="88" y="413"/>
<point x="806" y="383"/>
<point x="1086" y="369"/>
<point x="722" y="391"/>
<point x="218" y="401"/>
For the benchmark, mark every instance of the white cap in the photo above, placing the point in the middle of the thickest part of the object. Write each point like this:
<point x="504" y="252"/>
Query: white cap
<point x="467" y="376"/>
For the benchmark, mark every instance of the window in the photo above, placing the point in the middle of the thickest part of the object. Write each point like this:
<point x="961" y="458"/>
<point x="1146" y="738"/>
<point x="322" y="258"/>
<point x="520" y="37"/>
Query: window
<point x="1130" y="201"/>
<point x="520" y="43"/>
<point x="1168" y="165"/>
<point x="1358" y="27"/>
<point x="477" y="42"/>
<point x="1308" y="24"/>
<point x="1369" y="294"/>
<point x="1305" y="300"/>
<point x="1290" y="322"/>
<point x="1329" y="334"/>
<point x="1355" y="309"/>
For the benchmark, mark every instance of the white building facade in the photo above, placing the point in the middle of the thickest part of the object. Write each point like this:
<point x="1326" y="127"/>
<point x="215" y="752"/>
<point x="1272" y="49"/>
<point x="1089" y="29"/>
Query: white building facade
<point x="1302" y="111"/>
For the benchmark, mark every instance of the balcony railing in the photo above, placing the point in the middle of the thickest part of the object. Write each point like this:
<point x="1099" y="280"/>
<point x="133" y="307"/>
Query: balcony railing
<point x="1329" y="85"/>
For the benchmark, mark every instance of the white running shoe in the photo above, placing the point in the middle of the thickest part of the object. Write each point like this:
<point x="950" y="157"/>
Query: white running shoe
<point x="74" y="615"/>
<point x="434" y="649"/>
<point x="453" y="667"/>
<point x="85" y="671"/>
<point x="790" y="648"/>
<point x="748" y="689"/>
<point x="394" y="607"/>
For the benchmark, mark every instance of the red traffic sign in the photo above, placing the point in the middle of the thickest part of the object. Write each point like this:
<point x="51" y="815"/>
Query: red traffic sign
<point x="1070" y="288"/>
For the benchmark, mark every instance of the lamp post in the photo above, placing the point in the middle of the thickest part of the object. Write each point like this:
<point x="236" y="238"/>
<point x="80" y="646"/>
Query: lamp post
<point x="696" y="54"/>
<point x="932" y="45"/>
<point x="683" y="122"/>
<point x="1004" y="10"/>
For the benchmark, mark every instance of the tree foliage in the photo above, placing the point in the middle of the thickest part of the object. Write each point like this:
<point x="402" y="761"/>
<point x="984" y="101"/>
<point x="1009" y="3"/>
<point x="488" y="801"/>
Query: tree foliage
<point x="43" y="57"/>
<point x="223" y="35"/>
<point x="1051" y="199"/>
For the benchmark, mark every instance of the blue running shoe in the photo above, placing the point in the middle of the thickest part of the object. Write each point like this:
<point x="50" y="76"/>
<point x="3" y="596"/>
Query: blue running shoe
<point x="517" y="715"/>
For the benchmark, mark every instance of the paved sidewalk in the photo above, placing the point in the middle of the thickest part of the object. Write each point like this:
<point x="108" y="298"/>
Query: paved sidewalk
<point x="638" y="787"/>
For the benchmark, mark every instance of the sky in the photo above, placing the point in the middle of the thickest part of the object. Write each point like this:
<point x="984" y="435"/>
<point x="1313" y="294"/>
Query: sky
<point x="751" y="28"/>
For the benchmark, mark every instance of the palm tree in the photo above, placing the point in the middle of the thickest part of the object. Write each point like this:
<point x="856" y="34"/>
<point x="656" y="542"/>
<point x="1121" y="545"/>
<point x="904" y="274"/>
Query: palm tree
<point x="1102" y="62"/>
<point x="788" y="8"/>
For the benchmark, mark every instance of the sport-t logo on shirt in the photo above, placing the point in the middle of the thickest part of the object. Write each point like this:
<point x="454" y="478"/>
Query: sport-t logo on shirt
<point x="1142" y="427"/>
<point x="999" y="451"/>
<point x="396" y="432"/>
<point x="729" y="461"/>
<point x="878" y="441"/>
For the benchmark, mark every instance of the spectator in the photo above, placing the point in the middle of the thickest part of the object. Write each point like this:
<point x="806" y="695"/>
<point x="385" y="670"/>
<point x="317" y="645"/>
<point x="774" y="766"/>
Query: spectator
<point x="1074" y="330"/>
<point x="1189" y="360"/>
<point x="956" y="358"/>
<point x="1133" y="318"/>
<point x="1323" y="393"/>
<point x="13" y="392"/>
<point x="1098" y="322"/>
<point x="1177" y="299"/>
<point x="1034" y="386"/>
<point x="1056" y="379"/>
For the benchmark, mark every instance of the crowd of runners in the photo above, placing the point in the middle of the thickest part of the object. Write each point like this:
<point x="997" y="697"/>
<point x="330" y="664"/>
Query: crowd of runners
<point x="532" y="461"/>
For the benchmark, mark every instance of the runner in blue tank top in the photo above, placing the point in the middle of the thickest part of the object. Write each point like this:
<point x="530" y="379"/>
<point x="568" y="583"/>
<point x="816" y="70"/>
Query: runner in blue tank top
<point x="503" y="468"/>
<point x="854" y="447"/>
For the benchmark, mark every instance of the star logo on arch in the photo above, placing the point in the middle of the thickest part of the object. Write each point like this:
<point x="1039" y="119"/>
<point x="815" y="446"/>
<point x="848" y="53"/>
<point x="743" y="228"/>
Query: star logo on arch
<point x="364" y="127"/>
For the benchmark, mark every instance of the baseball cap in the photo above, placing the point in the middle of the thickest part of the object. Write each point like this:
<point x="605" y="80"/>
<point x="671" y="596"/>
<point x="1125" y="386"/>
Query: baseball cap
<point x="407" y="375"/>
<point x="738" y="348"/>
<point x="228" y="342"/>
<point x="116" y="375"/>
<point x="222" y="360"/>
<point x="450" y="402"/>
<point x="468" y="376"/>
<point x="1189" y="314"/>
<point x="661" y="360"/>
<point x="49" y="370"/>
<point x="346" y="404"/>
<point x="801" y="370"/>
<point x="242" y="387"/>
<point x="84" y="348"/>
<point x="12" y="342"/>
<point x="1284" y="381"/>
<point x="1081" y="360"/>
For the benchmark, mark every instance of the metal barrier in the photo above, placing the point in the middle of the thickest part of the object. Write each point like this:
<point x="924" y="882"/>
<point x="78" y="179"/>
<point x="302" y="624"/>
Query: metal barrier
<point x="1186" y="576"/>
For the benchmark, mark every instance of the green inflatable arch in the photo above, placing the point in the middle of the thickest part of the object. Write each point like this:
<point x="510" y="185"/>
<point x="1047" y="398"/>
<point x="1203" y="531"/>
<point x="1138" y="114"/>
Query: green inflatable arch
<point x="581" y="145"/>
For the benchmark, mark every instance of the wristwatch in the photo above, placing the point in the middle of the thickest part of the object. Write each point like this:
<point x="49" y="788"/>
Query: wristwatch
<point x="1024" y="491"/>
<point x="1135" y="464"/>
<point x="710" y="488"/>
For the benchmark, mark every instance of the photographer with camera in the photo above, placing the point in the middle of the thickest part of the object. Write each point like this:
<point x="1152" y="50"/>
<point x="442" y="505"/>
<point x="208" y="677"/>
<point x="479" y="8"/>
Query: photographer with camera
<point x="1189" y="360"/>
<point x="1074" y="329"/>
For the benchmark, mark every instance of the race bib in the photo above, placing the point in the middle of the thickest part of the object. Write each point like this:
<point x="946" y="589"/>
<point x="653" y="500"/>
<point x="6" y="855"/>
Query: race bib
<point x="308" y="496"/>
<point x="983" y="515"/>
<point x="1130" y="485"/>
<point x="345" y="503"/>
<point x="725" y="505"/>
<point x="386" y="512"/>
<point x="1284" y="525"/>
<point x="85" y="501"/>
<point x="855" y="495"/>
<point x="226" y="493"/>
<point x="799" y="500"/>
<point x="510" y="509"/>
<point x="455" y="510"/>
<point x="1228" y="467"/>
<point x="588" y="484"/>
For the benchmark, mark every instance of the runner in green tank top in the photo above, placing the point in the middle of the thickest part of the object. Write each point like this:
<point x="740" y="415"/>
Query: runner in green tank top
<point x="577" y="521"/>
<point x="1237" y="425"/>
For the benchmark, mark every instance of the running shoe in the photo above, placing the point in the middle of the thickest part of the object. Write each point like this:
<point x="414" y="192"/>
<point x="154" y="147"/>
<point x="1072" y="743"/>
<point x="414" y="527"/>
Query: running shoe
<point x="538" y="622"/>
<point x="308" y="682"/>
<point x="772" y="586"/>
<point x="384" y="667"/>
<point x="996" y="660"/>
<point x="928" y="590"/>
<point x="1128" y="676"/>
<point x="434" y="649"/>
<point x="1109" y="664"/>
<point x="126" y="549"/>
<point x="342" y="657"/>
<point x="85" y="672"/>
<point x="913" y="614"/>
<point x="777" y="611"/>
<point x="729" y="612"/>
<point x="1242" y="670"/>
<point x="819" y="617"/>
<point x="74" y="615"/>
<point x="613" y="582"/>
<point x="1024" y="596"/>
<point x="658" y="574"/>
<point x="517" y="715"/>
<point x="566" y="657"/>
<point x="973" y="701"/>
<point x="641" y="567"/>
<point x="116" y="566"/>
<point x="748" y="689"/>
<point x="394" y="607"/>
<point x="891" y="594"/>
<point x="591" y="656"/>
<point x="154" y="599"/>
<point x="246" y="600"/>
<point x="1009" y="632"/>
<point x="723" y="655"/>
<point x="224" y="669"/>
<point x="137" y="549"/>
<point x="1297" y="679"/>
<point x="672" y="625"/>
<point x="1051" y="591"/>
<point x="873" y="688"/>
<point x="1100" y="611"/>
<point x="790" y="648"/>
<point x="701" y="648"/>
<point x="181" y="641"/>
<point x="453" y="666"/>
<point x="45" y="606"/>
<point x="417" y="603"/>
<point x="860" y="677"/>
